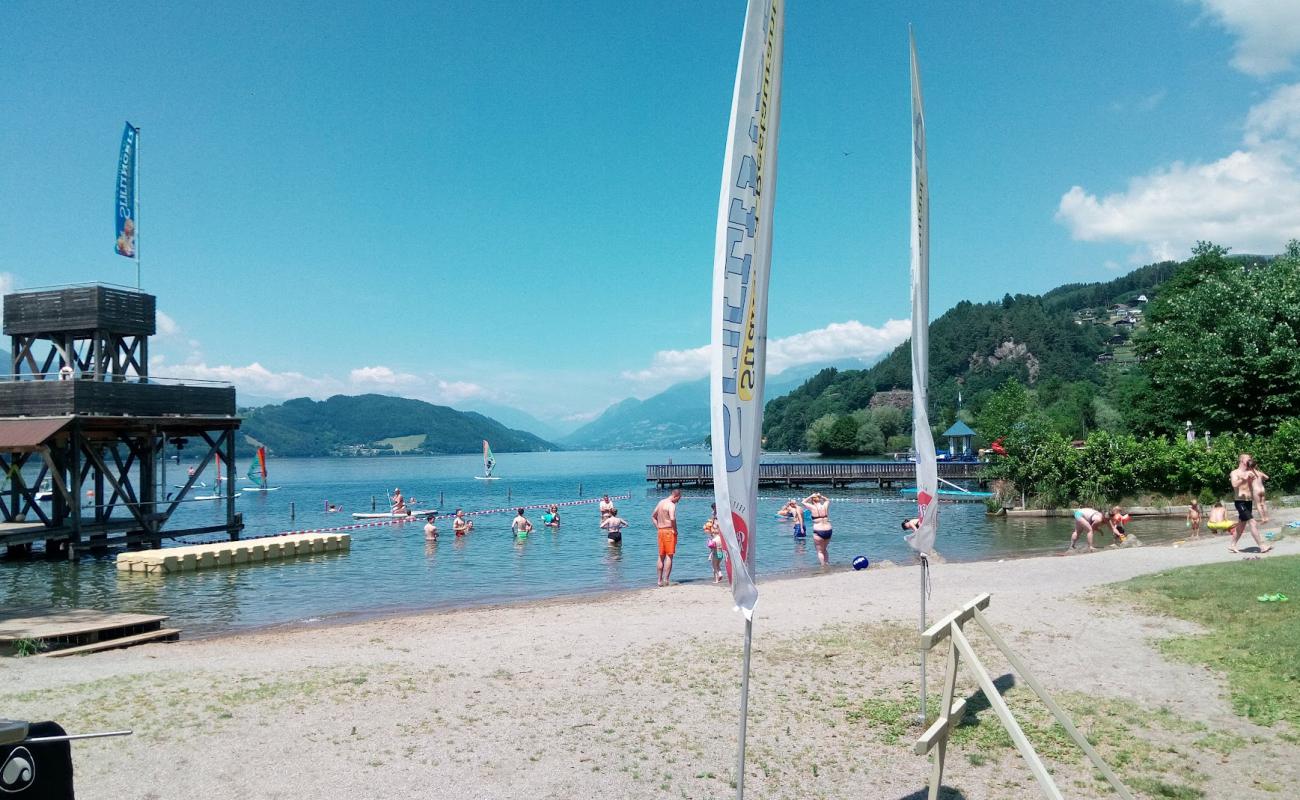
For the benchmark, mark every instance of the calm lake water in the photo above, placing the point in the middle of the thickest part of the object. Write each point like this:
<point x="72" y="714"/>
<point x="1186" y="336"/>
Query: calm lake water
<point x="393" y="569"/>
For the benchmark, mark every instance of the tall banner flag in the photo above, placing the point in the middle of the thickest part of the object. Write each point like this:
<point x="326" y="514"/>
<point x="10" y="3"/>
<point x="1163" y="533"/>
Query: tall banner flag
<point x="927" y="472"/>
<point x="124" y="198"/>
<point x="741" y="260"/>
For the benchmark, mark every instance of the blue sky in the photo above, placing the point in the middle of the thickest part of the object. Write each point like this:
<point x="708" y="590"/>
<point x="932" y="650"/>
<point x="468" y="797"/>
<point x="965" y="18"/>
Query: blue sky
<point x="516" y="203"/>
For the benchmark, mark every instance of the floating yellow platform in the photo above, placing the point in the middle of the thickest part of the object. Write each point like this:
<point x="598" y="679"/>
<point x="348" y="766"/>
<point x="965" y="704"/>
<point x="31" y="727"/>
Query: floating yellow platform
<point x="222" y="554"/>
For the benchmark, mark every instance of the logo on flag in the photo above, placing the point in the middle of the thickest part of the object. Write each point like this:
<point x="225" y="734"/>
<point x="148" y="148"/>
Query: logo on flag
<point x="125" y="194"/>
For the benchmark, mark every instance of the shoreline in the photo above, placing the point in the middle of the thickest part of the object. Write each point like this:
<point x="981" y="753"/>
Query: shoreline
<point x="361" y="617"/>
<point x="633" y="693"/>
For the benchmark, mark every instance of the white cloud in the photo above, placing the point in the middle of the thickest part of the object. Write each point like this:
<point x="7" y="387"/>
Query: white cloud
<point x="457" y="391"/>
<point x="257" y="379"/>
<point x="837" y="340"/>
<point x="1248" y="200"/>
<point x="381" y="376"/>
<point x="1267" y="31"/>
<point x="167" y="326"/>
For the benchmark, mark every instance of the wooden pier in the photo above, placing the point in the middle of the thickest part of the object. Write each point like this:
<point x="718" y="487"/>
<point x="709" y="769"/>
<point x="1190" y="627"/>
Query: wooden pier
<point x="56" y="632"/>
<point x="221" y="554"/>
<point x="884" y="475"/>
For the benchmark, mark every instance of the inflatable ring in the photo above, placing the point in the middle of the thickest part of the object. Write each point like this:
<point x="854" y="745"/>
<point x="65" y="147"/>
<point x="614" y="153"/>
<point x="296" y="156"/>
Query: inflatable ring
<point x="1223" y="525"/>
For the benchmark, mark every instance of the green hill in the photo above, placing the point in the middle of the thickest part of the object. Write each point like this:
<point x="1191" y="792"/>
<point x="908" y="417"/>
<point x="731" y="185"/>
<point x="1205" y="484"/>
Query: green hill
<point x="975" y="348"/>
<point x="369" y="424"/>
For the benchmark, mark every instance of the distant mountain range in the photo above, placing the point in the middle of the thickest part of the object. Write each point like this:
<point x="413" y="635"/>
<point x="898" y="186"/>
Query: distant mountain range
<point x="676" y="417"/>
<point x="520" y="420"/>
<point x="372" y="424"/>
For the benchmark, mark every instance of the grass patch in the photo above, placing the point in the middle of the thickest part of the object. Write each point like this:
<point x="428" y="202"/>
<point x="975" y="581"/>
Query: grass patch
<point x="1253" y="643"/>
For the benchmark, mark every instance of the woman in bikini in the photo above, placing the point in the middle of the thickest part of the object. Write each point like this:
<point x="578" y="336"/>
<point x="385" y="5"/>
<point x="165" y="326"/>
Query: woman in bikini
<point x="1087" y="520"/>
<point x="820" y="506"/>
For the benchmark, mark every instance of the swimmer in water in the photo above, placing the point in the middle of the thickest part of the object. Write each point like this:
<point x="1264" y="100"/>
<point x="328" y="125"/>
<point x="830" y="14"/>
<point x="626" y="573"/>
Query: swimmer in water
<point x="613" y="526"/>
<point x="520" y="525"/>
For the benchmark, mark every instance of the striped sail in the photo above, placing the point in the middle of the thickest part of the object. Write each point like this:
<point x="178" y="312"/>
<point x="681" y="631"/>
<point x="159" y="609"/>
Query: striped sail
<point x="489" y="460"/>
<point x="927" y="473"/>
<point x="257" y="469"/>
<point x="741" y="259"/>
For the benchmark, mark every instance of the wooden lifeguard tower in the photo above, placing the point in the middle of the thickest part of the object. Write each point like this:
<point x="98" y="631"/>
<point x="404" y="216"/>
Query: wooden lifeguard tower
<point x="81" y="413"/>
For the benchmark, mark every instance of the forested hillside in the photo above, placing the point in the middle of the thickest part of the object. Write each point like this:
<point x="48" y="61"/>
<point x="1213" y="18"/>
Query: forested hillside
<point x="359" y="425"/>
<point x="1050" y="343"/>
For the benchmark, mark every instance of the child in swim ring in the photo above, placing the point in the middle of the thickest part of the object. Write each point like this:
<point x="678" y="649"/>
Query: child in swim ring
<point x="552" y="517"/>
<point x="1218" y="520"/>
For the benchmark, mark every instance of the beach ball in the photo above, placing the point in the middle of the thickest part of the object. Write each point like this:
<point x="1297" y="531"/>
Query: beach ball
<point x="861" y="562"/>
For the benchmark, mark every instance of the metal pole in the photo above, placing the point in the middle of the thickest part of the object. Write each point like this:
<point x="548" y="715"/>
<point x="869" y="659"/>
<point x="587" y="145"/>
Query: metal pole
<point x="292" y="514"/>
<point x="744" y="710"/>
<point x="925" y="564"/>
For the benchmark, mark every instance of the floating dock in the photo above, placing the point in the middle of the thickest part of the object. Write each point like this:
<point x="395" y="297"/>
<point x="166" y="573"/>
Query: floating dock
<point x="884" y="474"/>
<point x="221" y="554"/>
<point x="56" y="632"/>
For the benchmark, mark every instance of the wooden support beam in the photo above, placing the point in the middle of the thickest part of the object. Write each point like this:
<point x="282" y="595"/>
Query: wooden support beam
<point x="1018" y="664"/>
<point x="1000" y="708"/>
<point x="939" y="630"/>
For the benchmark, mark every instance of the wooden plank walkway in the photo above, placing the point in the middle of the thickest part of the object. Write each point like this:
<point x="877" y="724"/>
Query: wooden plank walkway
<point x="65" y="631"/>
<point x="193" y="557"/>
<point x="884" y="474"/>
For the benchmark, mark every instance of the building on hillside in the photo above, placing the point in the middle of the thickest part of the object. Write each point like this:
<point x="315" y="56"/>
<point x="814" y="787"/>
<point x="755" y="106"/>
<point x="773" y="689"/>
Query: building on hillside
<point x="1142" y="298"/>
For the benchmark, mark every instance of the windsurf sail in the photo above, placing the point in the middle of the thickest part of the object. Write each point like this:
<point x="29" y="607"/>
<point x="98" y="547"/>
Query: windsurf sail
<point x="927" y="471"/>
<point x="489" y="460"/>
<point x="741" y="260"/>
<point x="257" y="469"/>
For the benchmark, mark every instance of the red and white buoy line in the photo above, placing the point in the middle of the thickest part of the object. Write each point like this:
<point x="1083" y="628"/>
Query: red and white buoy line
<point x="422" y="517"/>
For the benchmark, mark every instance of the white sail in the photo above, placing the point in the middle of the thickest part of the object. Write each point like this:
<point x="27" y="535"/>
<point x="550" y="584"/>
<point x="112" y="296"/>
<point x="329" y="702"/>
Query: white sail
<point x="927" y="473"/>
<point x="741" y="259"/>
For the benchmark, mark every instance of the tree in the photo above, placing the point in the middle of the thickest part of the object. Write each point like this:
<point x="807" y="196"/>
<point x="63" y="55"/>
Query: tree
<point x="1003" y="410"/>
<point x="889" y="419"/>
<point x="819" y="432"/>
<point x="1222" y="344"/>
<point x="842" y="437"/>
<point x="870" y="439"/>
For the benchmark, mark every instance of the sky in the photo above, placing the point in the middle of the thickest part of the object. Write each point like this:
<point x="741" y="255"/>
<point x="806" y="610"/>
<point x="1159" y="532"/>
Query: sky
<point x="515" y="203"/>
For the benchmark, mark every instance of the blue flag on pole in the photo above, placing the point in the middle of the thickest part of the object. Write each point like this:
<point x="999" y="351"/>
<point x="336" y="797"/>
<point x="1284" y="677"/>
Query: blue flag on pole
<point x="124" y="198"/>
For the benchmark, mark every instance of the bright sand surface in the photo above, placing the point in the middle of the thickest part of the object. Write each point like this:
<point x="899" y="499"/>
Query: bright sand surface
<point x="635" y="695"/>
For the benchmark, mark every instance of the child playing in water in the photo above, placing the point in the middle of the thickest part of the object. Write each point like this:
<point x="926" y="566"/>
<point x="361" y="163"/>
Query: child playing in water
<point x="552" y="517"/>
<point x="613" y="526"/>
<point x="1194" y="518"/>
<point x="1087" y="520"/>
<point x="1218" y="520"/>
<point x="717" y="547"/>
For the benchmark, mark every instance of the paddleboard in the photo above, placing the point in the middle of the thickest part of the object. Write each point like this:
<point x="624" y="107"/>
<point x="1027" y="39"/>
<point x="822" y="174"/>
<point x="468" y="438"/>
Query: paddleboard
<point x="390" y="515"/>
<point x="486" y="478"/>
<point x="260" y="490"/>
<point x="214" y="496"/>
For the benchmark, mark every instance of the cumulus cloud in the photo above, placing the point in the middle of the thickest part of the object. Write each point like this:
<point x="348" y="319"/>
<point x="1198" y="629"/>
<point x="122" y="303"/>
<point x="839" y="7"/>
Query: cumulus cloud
<point x="1248" y="200"/>
<point x="1267" y="32"/>
<point x="167" y="326"/>
<point x="380" y="376"/>
<point x="257" y="379"/>
<point x="837" y="340"/>
<point x="456" y="391"/>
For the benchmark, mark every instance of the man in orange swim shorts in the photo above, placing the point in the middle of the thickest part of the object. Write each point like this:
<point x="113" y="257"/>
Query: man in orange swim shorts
<point x="665" y="520"/>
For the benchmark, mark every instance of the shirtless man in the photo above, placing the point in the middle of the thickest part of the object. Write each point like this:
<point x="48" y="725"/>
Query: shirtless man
<point x="606" y="508"/>
<point x="1243" y="487"/>
<point x="398" y="503"/>
<point x="459" y="525"/>
<point x="665" y="521"/>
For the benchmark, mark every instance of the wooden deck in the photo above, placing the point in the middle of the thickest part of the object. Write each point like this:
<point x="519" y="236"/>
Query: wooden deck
<point x="63" y="631"/>
<point x="884" y="474"/>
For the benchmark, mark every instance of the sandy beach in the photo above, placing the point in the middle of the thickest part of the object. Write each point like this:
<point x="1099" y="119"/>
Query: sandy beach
<point x="635" y="695"/>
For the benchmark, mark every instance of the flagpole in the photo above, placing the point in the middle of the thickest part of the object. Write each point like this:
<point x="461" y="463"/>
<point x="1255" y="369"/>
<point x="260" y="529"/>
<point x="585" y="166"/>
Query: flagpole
<point x="925" y="565"/>
<point x="744" y="709"/>
<point x="136" y="178"/>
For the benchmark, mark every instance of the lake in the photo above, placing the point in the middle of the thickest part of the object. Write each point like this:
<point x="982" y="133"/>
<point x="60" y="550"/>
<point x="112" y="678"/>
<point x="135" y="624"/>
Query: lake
<point x="392" y="569"/>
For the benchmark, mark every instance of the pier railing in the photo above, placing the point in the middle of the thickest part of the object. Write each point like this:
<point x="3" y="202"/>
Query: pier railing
<point x="813" y="473"/>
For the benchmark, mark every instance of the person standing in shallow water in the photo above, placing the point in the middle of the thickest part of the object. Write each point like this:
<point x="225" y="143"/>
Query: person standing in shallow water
<point x="820" y="506"/>
<point x="665" y="521"/>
